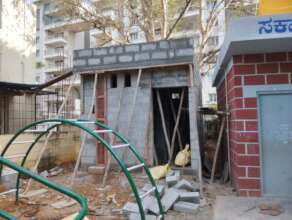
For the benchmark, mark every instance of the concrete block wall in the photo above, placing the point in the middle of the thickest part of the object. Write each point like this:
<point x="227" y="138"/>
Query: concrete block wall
<point x="151" y="78"/>
<point x="246" y="75"/>
<point x="135" y="55"/>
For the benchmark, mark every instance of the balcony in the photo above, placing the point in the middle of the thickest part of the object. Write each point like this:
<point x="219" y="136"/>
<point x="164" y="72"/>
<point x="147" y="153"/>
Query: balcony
<point x="54" y="10"/>
<point x="56" y="40"/>
<point x="56" y="54"/>
<point x="54" y="69"/>
<point x="74" y="25"/>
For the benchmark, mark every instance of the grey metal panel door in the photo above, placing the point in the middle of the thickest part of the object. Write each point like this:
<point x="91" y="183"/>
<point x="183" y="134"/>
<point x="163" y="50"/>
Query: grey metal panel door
<point x="276" y="143"/>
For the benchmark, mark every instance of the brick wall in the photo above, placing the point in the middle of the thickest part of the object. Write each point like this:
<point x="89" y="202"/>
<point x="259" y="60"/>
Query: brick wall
<point x="252" y="71"/>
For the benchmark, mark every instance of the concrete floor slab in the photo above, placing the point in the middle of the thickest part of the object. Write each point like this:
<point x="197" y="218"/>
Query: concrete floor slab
<point x="246" y="208"/>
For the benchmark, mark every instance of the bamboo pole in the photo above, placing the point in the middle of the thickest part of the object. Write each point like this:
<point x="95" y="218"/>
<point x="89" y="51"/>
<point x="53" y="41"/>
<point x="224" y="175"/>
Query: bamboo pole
<point x="176" y="125"/>
<point x="163" y="123"/>
<point x="174" y="116"/>
<point x="217" y="149"/>
<point x="93" y="100"/>
<point x="34" y="169"/>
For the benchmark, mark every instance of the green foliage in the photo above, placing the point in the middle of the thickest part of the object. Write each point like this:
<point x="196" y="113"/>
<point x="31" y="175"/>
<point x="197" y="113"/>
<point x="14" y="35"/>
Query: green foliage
<point x="39" y="65"/>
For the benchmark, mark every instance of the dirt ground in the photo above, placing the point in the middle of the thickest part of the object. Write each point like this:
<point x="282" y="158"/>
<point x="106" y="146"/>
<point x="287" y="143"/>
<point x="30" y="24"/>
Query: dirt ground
<point x="104" y="203"/>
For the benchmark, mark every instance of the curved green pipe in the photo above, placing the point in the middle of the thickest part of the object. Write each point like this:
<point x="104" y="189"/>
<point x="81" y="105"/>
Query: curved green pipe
<point x="141" y="159"/>
<point x="26" y="156"/>
<point x="109" y="148"/>
<point x="80" y="199"/>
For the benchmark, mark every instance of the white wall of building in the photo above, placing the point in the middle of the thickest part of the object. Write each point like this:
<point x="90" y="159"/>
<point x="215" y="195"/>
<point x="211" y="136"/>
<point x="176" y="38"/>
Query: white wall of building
<point x="17" y="42"/>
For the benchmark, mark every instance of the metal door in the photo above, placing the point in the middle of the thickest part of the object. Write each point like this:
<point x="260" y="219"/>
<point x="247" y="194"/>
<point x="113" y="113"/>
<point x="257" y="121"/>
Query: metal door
<point x="275" y="115"/>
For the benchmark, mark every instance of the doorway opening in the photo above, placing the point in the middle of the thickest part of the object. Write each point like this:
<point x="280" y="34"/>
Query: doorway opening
<point x="170" y="105"/>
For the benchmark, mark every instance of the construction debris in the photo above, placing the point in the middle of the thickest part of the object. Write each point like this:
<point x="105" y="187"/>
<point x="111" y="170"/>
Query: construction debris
<point x="33" y="193"/>
<point x="63" y="204"/>
<point x="177" y="194"/>
<point x="270" y="209"/>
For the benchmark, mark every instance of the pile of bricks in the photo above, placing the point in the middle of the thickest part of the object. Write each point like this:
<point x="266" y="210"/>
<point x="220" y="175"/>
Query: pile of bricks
<point x="176" y="194"/>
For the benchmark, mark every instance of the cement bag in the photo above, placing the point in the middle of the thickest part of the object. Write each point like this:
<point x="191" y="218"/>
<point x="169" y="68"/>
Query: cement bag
<point x="159" y="172"/>
<point x="183" y="157"/>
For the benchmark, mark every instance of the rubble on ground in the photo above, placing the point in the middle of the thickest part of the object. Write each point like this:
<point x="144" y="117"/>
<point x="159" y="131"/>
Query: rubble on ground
<point x="177" y="194"/>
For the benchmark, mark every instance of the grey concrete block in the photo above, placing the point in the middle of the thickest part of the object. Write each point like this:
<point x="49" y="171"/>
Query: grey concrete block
<point x="184" y="184"/>
<point x="159" y="55"/>
<point x="160" y="189"/>
<point x="172" y="178"/>
<point x="179" y="43"/>
<point x="186" y="207"/>
<point x="132" y="48"/>
<point x="131" y="207"/>
<point x="109" y="59"/>
<point x="100" y="51"/>
<point x="135" y="216"/>
<point x="184" y="52"/>
<point x="142" y="56"/>
<point x="94" y="61"/>
<point x="193" y="197"/>
<point x="125" y="58"/>
<point x="171" y="54"/>
<point x="148" y="46"/>
<point x="85" y="53"/>
<point x="79" y="62"/>
<point x="170" y="197"/>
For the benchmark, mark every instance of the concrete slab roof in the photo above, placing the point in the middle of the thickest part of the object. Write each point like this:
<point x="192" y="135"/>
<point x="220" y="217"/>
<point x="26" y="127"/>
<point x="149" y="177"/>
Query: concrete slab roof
<point x="254" y="34"/>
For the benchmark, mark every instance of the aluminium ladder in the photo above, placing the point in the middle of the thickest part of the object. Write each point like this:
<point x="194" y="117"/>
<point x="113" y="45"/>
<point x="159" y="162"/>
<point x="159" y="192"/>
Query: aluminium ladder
<point x="99" y="128"/>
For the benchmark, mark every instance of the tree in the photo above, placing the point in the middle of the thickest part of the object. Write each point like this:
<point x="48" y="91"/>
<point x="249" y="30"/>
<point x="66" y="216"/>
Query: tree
<point x="157" y="19"/>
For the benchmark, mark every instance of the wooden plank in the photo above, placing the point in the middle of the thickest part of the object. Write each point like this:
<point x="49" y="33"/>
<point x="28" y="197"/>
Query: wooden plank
<point x="218" y="144"/>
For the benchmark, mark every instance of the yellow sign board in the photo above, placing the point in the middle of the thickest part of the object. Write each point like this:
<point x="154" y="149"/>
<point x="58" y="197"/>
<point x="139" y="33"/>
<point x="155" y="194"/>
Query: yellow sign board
<point x="270" y="7"/>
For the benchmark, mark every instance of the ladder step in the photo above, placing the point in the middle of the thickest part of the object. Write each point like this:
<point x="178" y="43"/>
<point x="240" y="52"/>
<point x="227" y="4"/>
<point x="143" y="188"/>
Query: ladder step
<point x="120" y="146"/>
<point x="102" y="131"/>
<point x="23" y="142"/>
<point x="147" y="193"/>
<point x="14" y="156"/>
<point x="7" y="192"/>
<point x="136" y="167"/>
<point x="34" y="131"/>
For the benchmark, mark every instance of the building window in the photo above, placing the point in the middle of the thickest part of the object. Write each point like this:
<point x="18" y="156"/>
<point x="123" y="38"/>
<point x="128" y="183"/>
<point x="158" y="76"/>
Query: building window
<point x="37" y="53"/>
<point x="114" y="81"/>
<point x="213" y="41"/>
<point x="134" y="36"/>
<point x="37" y="40"/>
<point x="128" y="82"/>
<point x="38" y="19"/>
<point x="134" y="20"/>
<point x="212" y="98"/>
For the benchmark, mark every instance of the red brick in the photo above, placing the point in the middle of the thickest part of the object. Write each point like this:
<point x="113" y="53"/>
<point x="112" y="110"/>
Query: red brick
<point x="256" y="193"/>
<point x="243" y="193"/>
<point x="272" y="57"/>
<point x="254" y="58"/>
<point x="248" y="160"/>
<point x="236" y="92"/>
<point x="253" y="172"/>
<point x="249" y="184"/>
<point x="245" y="114"/>
<point x="236" y="103"/>
<point x="250" y="102"/>
<point x="268" y="68"/>
<point x="246" y="136"/>
<point x="244" y="69"/>
<point x="237" y="59"/>
<point x="278" y="79"/>
<point x="253" y="148"/>
<point x="251" y="125"/>
<point x="254" y="80"/>
<point x="290" y="56"/>
<point x="237" y="125"/>
<point x="239" y="148"/>
<point x="240" y="171"/>
<point x="286" y="67"/>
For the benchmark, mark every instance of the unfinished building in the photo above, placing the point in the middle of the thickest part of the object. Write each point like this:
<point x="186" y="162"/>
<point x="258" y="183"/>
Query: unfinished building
<point x="150" y="92"/>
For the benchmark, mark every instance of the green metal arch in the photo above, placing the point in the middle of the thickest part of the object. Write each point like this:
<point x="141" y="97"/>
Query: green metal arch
<point x="77" y="123"/>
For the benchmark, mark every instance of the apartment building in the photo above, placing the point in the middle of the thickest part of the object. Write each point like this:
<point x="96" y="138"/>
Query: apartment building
<point x="17" y="46"/>
<point x="58" y="36"/>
